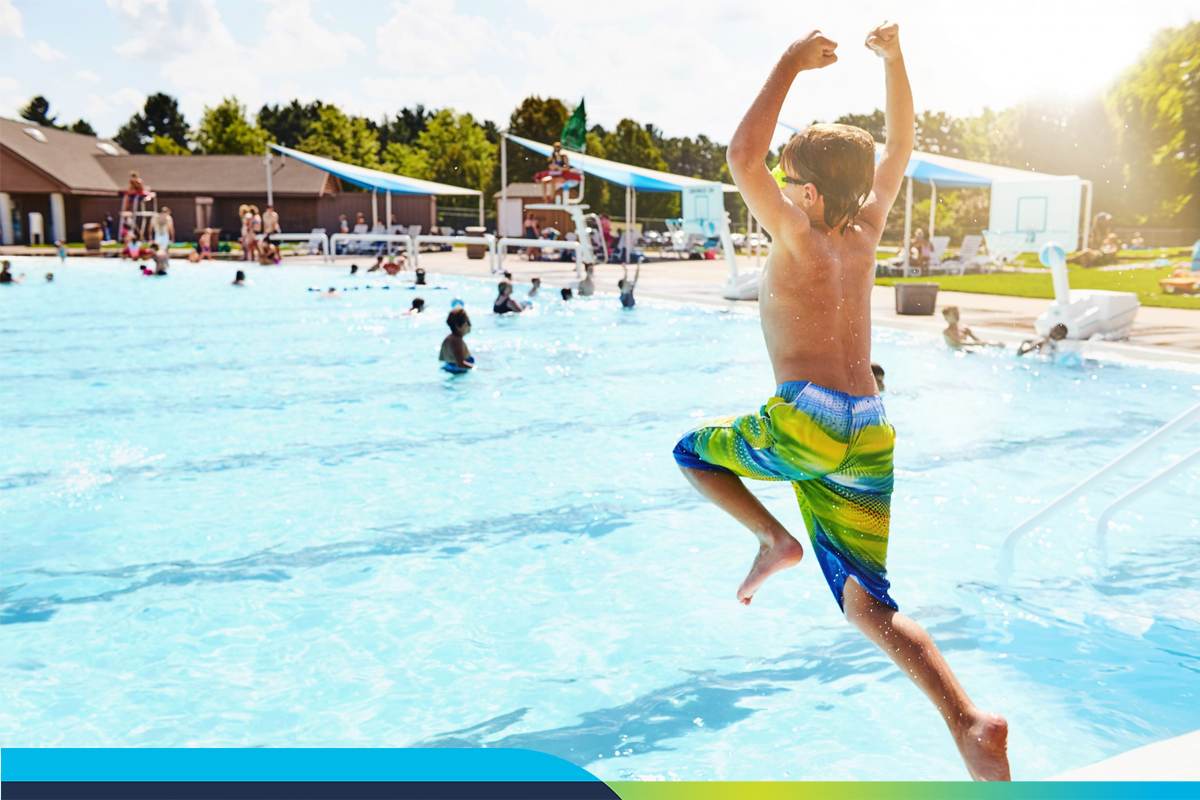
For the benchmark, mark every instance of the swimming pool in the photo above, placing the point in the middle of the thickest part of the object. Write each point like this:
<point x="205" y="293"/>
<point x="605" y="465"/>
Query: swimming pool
<point x="237" y="517"/>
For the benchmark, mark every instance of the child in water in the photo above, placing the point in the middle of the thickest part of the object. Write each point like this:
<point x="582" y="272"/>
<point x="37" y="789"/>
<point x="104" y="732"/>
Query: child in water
<point x="627" y="286"/>
<point x="824" y="429"/>
<point x="455" y="355"/>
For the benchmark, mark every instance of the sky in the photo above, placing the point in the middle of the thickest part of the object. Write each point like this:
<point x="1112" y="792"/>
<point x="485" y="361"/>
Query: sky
<point x="689" y="67"/>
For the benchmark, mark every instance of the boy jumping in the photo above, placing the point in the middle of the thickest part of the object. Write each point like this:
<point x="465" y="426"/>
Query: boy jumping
<point x="825" y="430"/>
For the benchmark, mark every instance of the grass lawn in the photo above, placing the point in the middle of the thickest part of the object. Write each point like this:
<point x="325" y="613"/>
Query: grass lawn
<point x="1142" y="281"/>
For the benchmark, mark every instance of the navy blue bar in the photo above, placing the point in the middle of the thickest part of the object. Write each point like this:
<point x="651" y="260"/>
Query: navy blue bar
<point x="310" y="790"/>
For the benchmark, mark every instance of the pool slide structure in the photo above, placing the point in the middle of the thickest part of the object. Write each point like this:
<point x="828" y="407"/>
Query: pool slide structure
<point x="1087" y="313"/>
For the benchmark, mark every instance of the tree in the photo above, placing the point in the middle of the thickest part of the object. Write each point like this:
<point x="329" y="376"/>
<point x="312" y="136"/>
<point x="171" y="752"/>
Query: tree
<point x="539" y="120"/>
<point x="1158" y="104"/>
<point x="162" y="146"/>
<point x="224" y="129"/>
<point x="82" y="126"/>
<point x="38" y="112"/>
<point x="342" y="138"/>
<point x="630" y="143"/>
<point x="291" y="123"/>
<point x="452" y="149"/>
<point x="160" y="117"/>
<point x="872" y="123"/>
<point x="405" y="127"/>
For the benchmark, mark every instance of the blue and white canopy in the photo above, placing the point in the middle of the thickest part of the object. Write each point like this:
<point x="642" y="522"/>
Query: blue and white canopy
<point x="639" y="178"/>
<point x="375" y="179"/>
<point x="956" y="173"/>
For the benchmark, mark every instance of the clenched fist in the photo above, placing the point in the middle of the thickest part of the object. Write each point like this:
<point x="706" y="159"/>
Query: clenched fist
<point x="885" y="40"/>
<point x="813" y="52"/>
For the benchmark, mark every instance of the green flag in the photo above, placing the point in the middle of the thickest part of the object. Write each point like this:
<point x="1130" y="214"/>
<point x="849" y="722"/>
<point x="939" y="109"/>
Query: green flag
<point x="574" y="133"/>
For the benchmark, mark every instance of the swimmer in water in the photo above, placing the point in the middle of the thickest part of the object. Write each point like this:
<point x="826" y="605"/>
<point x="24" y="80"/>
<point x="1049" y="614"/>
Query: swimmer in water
<point x="566" y="293"/>
<point x="330" y="292"/>
<point x="627" y="286"/>
<point x="877" y="371"/>
<point x="959" y="336"/>
<point x="160" y="259"/>
<point x="537" y="284"/>
<point x="420" y="276"/>
<point x="505" y="303"/>
<point x="378" y="265"/>
<point x="400" y="263"/>
<point x="6" y="276"/>
<point x="62" y="249"/>
<point x="418" y="306"/>
<point x="239" y="279"/>
<point x="49" y="277"/>
<point x="354" y="269"/>
<point x="455" y="355"/>
<point x="1047" y="345"/>
<point x="587" y="286"/>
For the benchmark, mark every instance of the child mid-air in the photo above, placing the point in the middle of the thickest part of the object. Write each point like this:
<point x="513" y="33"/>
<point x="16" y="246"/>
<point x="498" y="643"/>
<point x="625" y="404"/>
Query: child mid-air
<point x="825" y="430"/>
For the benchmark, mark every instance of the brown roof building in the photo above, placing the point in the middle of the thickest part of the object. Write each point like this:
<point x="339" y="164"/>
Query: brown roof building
<point x="63" y="180"/>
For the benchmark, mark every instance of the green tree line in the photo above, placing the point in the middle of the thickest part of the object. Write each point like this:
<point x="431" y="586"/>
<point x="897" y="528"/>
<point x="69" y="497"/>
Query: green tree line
<point x="1138" y="142"/>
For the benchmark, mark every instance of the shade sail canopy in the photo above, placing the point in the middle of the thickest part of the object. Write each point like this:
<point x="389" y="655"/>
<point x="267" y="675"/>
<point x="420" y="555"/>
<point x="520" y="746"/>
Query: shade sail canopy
<point x="947" y="172"/>
<point x="640" y="178"/>
<point x="376" y="179"/>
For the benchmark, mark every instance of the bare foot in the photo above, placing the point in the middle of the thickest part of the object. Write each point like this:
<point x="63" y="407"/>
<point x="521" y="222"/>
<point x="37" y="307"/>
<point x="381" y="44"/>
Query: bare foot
<point x="984" y="747"/>
<point x="784" y="552"/>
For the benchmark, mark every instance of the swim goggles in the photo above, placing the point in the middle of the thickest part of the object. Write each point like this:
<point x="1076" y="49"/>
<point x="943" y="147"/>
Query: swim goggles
<point x="782" y="179"/>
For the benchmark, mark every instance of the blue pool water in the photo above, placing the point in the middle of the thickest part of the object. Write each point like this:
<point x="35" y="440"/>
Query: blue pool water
<point x="258" y="517"/>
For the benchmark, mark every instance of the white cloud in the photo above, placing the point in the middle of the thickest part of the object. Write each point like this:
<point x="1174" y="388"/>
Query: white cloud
<point x="10" y="20"/>
<point x="428" y="37"/>
<point x="484" y="95"/>
<point x="88" y="75"/>
<point x="128" y="98"/>
<point x="45" y="52"/>
<point x="294" y="42"/>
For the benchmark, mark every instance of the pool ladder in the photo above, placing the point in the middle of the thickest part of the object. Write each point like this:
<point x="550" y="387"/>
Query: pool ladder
<point x="1163" y="434"/>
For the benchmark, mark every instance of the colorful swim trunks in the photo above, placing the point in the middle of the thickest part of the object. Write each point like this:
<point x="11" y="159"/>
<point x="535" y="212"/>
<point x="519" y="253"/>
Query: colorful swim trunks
<point x="836" y="449"/>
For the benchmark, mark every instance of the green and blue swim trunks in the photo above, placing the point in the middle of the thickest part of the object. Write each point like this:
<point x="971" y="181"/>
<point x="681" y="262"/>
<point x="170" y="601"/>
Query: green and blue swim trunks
<point x="836" y="449"/>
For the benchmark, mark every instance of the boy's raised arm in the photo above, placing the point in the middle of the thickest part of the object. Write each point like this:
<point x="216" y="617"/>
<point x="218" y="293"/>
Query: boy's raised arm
<point x="889" y="171"/>
<point x="751" y="143"/>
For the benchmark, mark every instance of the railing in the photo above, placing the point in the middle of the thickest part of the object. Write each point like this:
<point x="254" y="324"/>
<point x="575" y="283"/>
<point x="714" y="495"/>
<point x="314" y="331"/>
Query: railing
<point x="1165" y="433"/>
<point x="402" y="238"/>
<point x="542" y="244"/>
<point x="320" y="238"/>
<point x="486" y="239"/>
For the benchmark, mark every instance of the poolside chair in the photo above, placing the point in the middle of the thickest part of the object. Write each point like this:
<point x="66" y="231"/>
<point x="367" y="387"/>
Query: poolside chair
<point x="1004" y="247"/>
<point x="968" y="256"/>
<point x="939" y="244"/>
<point x="317" y="242"/>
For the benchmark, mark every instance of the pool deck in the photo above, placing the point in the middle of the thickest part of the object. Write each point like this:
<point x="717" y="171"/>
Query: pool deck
<point x="1160" y="334"/>
<point x="1168" y="760"/>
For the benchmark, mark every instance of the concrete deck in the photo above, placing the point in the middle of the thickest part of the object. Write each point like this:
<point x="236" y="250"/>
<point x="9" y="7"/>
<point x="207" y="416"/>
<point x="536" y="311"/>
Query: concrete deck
<point x="1160" y="334"/>
<point x="1175" y="759"/>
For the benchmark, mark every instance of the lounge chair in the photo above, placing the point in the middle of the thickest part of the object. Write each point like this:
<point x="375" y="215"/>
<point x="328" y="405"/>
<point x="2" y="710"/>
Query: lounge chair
<point x="939" y="244"/>
<point x="317" y="242"/>
<point x="968" y="256"/>
<point x="1004" y="247"/>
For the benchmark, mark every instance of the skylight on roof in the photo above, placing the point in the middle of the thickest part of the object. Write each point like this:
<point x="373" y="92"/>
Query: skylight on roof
<point x="108" y="149"/>
<point x="34" y="133"/>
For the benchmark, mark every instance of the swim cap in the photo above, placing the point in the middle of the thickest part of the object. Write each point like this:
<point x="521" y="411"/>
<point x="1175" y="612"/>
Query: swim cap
<point x="457" y="303"/>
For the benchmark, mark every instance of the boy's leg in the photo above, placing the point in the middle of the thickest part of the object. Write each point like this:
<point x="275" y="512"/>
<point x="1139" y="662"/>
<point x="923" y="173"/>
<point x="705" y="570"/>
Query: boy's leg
<point x="981" y="736"/>
<point x="777" y="549"/>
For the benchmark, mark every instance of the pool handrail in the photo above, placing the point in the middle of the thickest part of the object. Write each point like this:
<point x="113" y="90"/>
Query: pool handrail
<point x="1166" y="432"/>
<point x="542" y="244"/>
<point x="402" y="238"/>
<point x="309" y="238"/>
<point x="486" y="239"/>
<point x="1163" y="474"/>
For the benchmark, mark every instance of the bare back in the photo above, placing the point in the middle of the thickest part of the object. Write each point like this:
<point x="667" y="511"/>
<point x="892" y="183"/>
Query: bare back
<point x="815" y="309"/>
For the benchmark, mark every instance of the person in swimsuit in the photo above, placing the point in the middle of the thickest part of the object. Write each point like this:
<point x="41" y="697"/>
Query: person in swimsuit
<point x="1047" y="344"/>
<point x="537" y="284"/>
<point x="558" y="163"/>
<point x="239" y="279"/>
<point x="6" y="276"/>
<point x="455" y="355"/>
<point x="566" y="294"/>
<point x="877" y="372"/>
<point x="959" y="336"/>
<point x="270" y="224"/>
<point x="824" y="430"/>
<point x="505" y="303"/>
<point x="162" y="228"/>
<point x="587" y="286"/>
<point x="160" y="260"/>
<point x="627" y="286"/>
<point x="531" y="226"/>
<point x="418" y="305"/>
<point x="206" y="244"/>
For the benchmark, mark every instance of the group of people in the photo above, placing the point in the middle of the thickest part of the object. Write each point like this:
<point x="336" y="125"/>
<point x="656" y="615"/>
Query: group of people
<point x="960" y="337"/>
<point x="456" y="356"/>
<point x="257" y="230"/>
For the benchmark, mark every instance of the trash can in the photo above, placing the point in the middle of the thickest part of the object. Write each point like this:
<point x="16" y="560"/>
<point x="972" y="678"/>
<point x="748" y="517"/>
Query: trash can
<point x="916" y="299"/>
<point x="93" y="235"/>
<point x="476" y="251"/>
